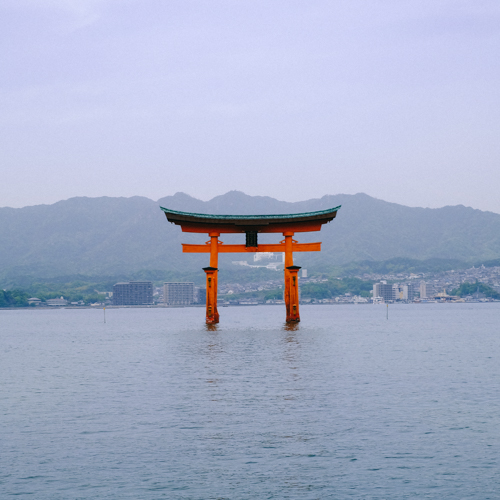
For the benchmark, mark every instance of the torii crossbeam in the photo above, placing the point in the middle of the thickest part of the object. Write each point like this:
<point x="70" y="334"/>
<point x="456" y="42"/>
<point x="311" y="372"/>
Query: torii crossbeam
<point x="252" y="225"/>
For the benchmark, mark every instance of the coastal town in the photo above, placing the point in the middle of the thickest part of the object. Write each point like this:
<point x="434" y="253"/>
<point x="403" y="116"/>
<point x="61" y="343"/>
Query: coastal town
<point x="475" y="284"/>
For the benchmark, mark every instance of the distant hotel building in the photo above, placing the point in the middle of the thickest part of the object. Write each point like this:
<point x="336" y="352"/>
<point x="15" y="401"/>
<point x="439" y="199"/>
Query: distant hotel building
<point x="393" y="292"/>
<point x="178" y="294"/>
<point x="133" y="293"/>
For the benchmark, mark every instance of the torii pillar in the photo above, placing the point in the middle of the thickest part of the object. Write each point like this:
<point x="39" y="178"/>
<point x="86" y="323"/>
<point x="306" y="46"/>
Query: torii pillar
<point x="292" y="305"/>
<point x="212" y="315"/>
<point x="288" y="264"/>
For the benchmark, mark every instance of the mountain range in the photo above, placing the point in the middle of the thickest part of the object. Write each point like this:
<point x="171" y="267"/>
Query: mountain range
<point x="120" y="236"/>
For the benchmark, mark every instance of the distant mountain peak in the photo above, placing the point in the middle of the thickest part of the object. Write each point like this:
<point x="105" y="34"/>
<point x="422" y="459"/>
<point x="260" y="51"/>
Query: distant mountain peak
<point x="181" y="195"/>
<point x="122" y="235"/>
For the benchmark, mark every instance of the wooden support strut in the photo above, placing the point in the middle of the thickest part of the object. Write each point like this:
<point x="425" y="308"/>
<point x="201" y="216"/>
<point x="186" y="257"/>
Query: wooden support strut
<point x="263" y="247"/>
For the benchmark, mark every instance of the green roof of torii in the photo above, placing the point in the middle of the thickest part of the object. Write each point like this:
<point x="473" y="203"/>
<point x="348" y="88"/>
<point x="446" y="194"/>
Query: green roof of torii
<point x="233" y="218"/>
<point x="243" y="223"/>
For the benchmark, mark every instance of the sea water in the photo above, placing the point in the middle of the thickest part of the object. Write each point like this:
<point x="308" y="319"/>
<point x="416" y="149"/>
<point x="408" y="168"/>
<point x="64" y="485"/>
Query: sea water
<point x="347" y="404"/>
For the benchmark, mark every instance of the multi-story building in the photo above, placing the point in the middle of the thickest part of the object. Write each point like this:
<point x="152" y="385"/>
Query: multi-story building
<point x="384" y="291"/>
<point x="398" y="291"/>
<point x="408" y="291"/>
<point x="395" y="291"/>
<point x="178" y="294"/>
<point x="133" y="293"/>
<point x="428" y="290"/>
<point x="413" y="290"/>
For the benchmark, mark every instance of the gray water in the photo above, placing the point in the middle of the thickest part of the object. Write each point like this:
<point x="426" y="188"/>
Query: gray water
<point x="153" y="404"/>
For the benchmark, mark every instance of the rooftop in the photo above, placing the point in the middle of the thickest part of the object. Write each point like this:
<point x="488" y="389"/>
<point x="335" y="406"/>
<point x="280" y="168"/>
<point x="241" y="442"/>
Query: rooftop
<point x="306" y="221"/>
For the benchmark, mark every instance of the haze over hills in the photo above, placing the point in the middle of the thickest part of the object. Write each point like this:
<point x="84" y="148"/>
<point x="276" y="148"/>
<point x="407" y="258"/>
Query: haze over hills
<point x="111" y="236"/>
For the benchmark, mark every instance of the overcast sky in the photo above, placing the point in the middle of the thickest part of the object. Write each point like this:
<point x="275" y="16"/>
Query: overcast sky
<point x="287" y="98"/>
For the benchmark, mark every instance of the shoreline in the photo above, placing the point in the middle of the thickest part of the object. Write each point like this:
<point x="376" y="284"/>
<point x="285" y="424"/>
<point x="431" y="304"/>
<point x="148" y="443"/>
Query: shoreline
<point x="50" y="308"/>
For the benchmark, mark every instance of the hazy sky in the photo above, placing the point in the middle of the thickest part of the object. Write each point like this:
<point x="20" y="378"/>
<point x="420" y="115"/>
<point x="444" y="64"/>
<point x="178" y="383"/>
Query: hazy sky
<point x="292" y="99"/>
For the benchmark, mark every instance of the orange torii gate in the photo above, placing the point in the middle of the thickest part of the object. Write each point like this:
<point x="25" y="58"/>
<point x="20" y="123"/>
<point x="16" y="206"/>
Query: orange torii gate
<point x="251" y="225"/>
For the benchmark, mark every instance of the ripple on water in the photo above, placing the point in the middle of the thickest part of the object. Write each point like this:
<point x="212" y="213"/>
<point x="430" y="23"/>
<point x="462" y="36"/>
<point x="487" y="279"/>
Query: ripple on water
<point x="154" y="404"/>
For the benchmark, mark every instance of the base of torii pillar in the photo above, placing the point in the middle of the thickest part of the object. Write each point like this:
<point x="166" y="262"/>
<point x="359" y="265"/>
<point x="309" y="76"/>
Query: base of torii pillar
<point x="212" y="315"/>
<point x="292" y="297"/>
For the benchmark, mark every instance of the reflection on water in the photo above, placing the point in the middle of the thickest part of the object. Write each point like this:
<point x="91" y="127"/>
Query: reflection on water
<point x="213" y="327"/>
<point x="292" y="345"/>
<point x="291" y="327"/>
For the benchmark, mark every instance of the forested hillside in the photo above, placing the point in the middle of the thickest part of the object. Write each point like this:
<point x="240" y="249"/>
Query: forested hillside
<point x="120" y="236"/>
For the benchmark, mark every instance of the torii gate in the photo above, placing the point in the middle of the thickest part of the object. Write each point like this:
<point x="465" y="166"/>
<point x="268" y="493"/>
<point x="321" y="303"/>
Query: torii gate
<point x="251" y="225"/>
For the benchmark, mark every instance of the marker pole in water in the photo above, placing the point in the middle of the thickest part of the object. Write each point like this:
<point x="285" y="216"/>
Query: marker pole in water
<point x="387" y="314"/>
<point x="104" y="314"/>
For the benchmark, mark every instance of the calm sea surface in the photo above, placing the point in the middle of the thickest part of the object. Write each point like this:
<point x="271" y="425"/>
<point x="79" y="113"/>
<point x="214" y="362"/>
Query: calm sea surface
<point x="153" y="404"/>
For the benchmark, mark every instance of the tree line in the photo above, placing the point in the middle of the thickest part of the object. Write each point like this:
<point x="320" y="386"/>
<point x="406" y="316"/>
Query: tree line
<point x="13" y="298"/>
